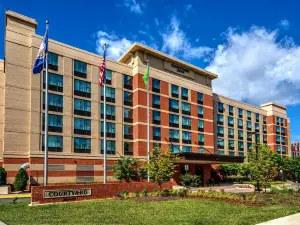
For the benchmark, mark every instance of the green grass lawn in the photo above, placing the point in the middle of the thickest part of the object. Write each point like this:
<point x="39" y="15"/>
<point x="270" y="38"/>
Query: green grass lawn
<point x="185" y="211"/>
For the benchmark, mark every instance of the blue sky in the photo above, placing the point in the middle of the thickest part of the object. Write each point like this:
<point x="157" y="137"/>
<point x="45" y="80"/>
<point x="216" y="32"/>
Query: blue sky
<point x="252" y="45"/>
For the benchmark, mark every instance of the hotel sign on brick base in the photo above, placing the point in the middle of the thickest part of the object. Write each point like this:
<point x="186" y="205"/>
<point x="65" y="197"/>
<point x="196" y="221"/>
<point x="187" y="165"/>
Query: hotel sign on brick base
<point x="67" y="193"/>
<point x="178" y="69"/>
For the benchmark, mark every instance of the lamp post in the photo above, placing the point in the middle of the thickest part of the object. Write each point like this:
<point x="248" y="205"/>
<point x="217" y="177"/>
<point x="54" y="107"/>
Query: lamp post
<point x="256" y="153"/>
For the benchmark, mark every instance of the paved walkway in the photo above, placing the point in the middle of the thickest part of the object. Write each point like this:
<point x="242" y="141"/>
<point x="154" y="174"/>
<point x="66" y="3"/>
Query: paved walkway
<point x="16" y="195"/>
<point x="227" y="188"/>
<point x="287" y="220"/>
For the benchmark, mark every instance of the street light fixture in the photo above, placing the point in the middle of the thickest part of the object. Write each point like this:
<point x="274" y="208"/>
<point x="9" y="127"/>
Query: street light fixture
<point x="256" y="153"/>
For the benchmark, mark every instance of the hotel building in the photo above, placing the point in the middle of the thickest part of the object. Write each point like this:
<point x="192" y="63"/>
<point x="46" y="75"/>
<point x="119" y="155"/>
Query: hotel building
<point x="295" y="149"/>
<point x="185" y="115"/>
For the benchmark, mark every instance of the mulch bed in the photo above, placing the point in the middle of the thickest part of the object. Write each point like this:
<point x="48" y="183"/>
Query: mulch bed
<point x="156" y="199"/>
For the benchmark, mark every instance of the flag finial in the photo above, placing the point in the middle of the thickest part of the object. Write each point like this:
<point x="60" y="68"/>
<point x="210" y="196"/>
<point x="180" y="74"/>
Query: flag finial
<point x="47" y="21"/>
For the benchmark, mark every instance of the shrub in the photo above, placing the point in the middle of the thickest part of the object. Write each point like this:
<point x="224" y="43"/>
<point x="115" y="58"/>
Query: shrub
<point x="3" y="175"/>
<point x="182" y="192"/>
<point x="155" y="193"/>
<point x="132" y="195"/>
<point x="165" y="193"/>
<point x="137" y="193"/>
<point x="144" y="192"/>
<point x="20" y="181"/>
<point x="174" y="192"/>
<point x="188" y="180"/>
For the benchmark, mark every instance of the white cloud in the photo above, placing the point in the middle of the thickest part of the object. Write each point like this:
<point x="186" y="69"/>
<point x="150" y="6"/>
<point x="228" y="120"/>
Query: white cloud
<point x="176" y="43"/>
<point x="285" y="24"/>
<point x="115" y="46"/>
<point x="257" y="67"/>
<point x="133" y="6"/>
<point x="156" y="21"/>
<point x="188" y="7"/>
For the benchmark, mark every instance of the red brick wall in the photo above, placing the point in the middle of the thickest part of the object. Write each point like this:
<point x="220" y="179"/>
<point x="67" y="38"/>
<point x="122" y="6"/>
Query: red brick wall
<point x="99" y="191"/>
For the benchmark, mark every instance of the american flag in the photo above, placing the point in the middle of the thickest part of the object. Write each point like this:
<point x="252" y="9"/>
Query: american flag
<point x="102" y="69"/>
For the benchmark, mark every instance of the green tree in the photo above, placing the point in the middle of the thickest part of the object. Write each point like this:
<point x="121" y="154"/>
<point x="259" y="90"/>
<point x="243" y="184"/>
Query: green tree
<point x="261" y="167"/>
<point x="281" y="164"/>
<point x="294" y="168"/>
<point x="3" y="175"/>
<point x="126" y="168"/>
<point x="161" y="166"/>
<point x="20" y="181"/>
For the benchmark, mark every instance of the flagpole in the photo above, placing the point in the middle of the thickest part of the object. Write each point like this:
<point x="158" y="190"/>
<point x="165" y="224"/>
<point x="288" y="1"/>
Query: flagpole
<point x="46" y="118"/>
<point x="104" y="113"/>
<point x="148" y="123"/>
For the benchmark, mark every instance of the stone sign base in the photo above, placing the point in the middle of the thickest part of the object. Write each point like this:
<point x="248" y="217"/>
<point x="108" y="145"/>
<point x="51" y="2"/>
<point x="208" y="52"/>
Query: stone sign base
<point x="78" y="192"/>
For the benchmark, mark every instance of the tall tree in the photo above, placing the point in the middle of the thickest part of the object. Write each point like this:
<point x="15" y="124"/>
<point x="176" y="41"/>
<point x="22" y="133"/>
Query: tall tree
<point x="126" y="168"/>
<point x="261" y="167"/>
<point x="161" y="166"/>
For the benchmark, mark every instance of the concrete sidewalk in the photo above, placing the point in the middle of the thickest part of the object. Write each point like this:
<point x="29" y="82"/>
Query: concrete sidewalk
<point x="287" y="220"/>
<point x="16" y="195"/>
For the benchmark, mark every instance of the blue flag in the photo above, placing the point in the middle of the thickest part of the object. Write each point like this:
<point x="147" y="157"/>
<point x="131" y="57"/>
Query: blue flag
<point x="41" y="56"/>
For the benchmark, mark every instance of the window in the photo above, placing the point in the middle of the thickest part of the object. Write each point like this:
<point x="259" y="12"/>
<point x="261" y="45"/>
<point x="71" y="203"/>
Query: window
<point x="174" y="148"/>
<point x="200" y="98"/>
<point x="108" y="76"/>
<point x="110" y="94"/>
<point x="283" y="140"/>
<point x="52" y="61"/>
<point x="128" y="148"/>
<point x="257" y="117"/>
<point x="201" y="150"/>
<point x="79" y="69"/>
<point x="240" y="124"/>
<point x="55" y="82"/>
<point x="55" y="143"/>
<point x="248" y="115"/>
<point x="220" y="131"/>
<point x="186" y="149"/>
<point x="220" y="119"/>
<point x="200" y="111"/>
<point x="155" y="85"/>
<point x="173" y="120"/>
<point x="156" y="117"/>
<point x="110" y="112"/>
<point x="277" y="139"/>
<point x="174" y="135"/>
<point x="184" y="94"/>
<point x="156" y="133"/>
<point x="249" y="137"/>
<point x="230" y="133"/>
<point x="230" y="121"/>
<point x="278" y="148"/>
<point x="156" y="101"/>
<point x="277" y="130"/>
<point x="174" y="91"/>
<point x="231" y="153"/>
<point x="220" y="143"/>
<point x="128" y="115"/>
<point x="186" y="137"/>
<point x="240" y="113"/>
<point x="283" y="149"/>
<point x="249" y="147"/>
<point x="282" y="121"/>
<point x="185" y="108"/>
<point x="241" y="154"/>
<point x="54" y="123"/>
<point x="240" y="135"/>
<point x="277" y="120"/>
<point x="173" y="105"/>
<point x="110" y="147"/>
<point x="127" y="82"/>
<point x="82" y="88"/>
<point x="110" y="129"/>
<point x="82" y="107"/>
<point x="265" y="119"/>
<point x="264" y="129"/>
<point x="186" y="123"/>
<point x="200" y="139"/>
<point x="220" y="107"/>
<point x="256" y="127"/>
<point x="282" y="131"/>
<point x="55" y="102"/>
<point x="82" y="126"/>
<point x="128" y="132"/>
<point x="265" y="139"/>
<point x="231" y="144"/>
<point x="200" y="125"/>
<point x="230" y="109"/>
<point x="249" y="125"/>
<point x="257" y="137"/>
<point x="127" y="98"/>
<point x="241" y="146"/>
<point x="82" y="145"/>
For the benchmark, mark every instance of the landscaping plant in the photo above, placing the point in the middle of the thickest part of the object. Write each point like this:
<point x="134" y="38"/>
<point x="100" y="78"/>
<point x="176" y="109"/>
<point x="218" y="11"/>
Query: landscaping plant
<point x="126" y="169"/>
<point x="20" y="181"/>
<point x="188" y="180"/>
<point x="3" y="176"/>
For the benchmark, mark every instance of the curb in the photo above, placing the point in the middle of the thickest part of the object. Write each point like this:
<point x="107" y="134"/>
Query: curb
<point x="15" y="196"/>
<point x="1" y="223"/>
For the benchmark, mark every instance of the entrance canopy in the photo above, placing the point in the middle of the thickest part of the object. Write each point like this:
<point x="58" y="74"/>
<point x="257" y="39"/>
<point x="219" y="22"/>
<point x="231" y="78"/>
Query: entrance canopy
<point x="200" y="158"/>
